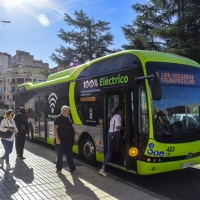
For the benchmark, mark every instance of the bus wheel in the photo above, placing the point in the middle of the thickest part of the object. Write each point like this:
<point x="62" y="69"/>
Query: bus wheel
<point x="30" y="133"/>
<point x="87" y="150"/>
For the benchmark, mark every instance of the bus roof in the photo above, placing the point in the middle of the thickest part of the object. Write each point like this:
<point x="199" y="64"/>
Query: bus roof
<point x="144" y="56"/>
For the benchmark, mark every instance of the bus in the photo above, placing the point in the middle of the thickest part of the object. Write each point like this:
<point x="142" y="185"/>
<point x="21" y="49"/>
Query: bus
<point x="153" y="88"/>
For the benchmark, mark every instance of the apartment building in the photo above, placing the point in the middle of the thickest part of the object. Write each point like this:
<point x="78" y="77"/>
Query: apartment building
<point x="16" y="70"/>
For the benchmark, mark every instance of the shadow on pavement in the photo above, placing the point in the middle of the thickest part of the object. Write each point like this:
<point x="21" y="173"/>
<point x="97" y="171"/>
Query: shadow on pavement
<point x="76" y="189"/>
<point x="8" y="184"/>
<point x="23" y="172"/>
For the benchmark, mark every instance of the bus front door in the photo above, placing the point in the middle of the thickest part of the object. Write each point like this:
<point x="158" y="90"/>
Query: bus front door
<point x="125" y="99"/>
<point x="40" y="117"/>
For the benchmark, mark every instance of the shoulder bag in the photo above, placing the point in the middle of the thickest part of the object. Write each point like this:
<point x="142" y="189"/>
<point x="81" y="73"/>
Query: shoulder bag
<point x="6" y="134"/>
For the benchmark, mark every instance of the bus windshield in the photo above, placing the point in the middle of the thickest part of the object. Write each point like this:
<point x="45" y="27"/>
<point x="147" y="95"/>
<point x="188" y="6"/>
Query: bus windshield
<point x="176" y="115"/>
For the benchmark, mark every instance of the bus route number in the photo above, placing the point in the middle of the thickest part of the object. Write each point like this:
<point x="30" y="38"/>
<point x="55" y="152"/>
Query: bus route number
<point x="171" y="149"/>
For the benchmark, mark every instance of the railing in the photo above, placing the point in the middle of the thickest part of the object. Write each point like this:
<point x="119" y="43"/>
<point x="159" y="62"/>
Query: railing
<point x="21" y="74"/>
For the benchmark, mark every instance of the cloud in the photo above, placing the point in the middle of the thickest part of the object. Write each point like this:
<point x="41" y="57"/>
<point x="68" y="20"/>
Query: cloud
<point x="43" y="20"/>
<point x="40" y="9"/>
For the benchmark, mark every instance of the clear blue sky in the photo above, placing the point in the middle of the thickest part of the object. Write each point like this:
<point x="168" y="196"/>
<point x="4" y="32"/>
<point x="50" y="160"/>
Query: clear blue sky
<point x="35" y="23"/>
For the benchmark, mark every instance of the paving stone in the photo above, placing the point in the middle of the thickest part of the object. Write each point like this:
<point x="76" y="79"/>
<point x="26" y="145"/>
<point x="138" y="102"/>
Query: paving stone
<point x="35" y="178"/>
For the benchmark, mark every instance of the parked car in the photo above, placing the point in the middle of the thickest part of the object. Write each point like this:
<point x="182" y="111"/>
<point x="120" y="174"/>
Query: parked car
<point x="182" y="117"/>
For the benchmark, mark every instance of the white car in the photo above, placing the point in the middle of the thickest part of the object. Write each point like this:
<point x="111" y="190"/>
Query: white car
<point x="182" y="117"/>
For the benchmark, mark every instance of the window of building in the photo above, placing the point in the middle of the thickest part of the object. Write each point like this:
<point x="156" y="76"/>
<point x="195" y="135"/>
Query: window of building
<point x="1" y="88"/>
<point x="34" y="80"/>
<point x="4" y="89"/>
<point x="40" y="80"/>
<point x="8" y="88"/>
<point x="1" y="81"/>
<point x="7" y="96"/>
<point x="0" y="97"/>
<point x="8" y="80"/>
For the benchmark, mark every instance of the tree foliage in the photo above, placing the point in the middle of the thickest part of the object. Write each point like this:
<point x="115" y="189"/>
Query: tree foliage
<point x="166" y="25"/>
<point x="89" y="39"/>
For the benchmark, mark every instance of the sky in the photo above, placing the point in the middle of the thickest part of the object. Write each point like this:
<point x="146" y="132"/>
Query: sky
<point x="35" y="24"/>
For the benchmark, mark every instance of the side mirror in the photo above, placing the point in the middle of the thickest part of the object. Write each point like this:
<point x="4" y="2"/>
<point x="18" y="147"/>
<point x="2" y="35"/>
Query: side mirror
<point x="156" y="89"/>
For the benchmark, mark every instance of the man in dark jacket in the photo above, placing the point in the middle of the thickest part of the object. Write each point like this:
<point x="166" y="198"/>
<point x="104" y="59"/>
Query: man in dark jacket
<point x="64" y="137"/>
<point x="22" y="126"/>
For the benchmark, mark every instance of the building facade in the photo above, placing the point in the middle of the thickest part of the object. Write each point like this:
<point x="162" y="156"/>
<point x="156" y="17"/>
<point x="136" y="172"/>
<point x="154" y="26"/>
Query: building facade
<point x="16" y="70"/>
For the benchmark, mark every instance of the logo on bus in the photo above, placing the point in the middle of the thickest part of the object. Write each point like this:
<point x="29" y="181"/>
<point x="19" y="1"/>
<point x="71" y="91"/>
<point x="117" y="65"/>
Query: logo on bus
<point x="90" y="83"/>
<point x="52" y="101"/>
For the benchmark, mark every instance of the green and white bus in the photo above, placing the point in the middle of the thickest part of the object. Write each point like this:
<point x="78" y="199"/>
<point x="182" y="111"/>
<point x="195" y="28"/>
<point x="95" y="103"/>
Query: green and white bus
<point x="153" y="87"/>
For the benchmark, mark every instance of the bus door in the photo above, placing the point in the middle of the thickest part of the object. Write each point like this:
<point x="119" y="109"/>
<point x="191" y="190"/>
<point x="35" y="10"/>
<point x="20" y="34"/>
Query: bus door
<point x="125" y="99"/>
<point x="40" y="117"/>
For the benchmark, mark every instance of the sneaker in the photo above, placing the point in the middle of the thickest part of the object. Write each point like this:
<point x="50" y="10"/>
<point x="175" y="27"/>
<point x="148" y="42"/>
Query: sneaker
<point x="8" y="167"/>
<point x="77" y="170"/>
<point x="102" y="172"/>
<point x="22" y="158"/>
<point x="2" y="162"/>
<point x="59" y="172"/>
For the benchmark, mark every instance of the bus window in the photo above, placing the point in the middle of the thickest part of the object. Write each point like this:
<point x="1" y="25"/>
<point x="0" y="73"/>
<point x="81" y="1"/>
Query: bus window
<point x="90" y="115"/>
<point x="143" y="113"/>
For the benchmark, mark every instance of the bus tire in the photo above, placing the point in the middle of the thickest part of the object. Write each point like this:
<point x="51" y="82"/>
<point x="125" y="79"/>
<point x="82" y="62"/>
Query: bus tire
<point x="87" y="150"/>
<point x="30" y="133"/>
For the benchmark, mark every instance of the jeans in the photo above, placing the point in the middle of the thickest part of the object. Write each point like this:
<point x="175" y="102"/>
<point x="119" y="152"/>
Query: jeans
<point x="19" y="143"/>
<point x="60" y="150"/>
<point x="8" y="146"/>
<point x="109" y="152"/>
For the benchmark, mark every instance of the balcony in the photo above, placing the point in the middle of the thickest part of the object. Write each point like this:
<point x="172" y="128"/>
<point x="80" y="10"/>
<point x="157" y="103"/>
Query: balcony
<point x="27" y="74"/>
<point x="12" y="91"/>
<point x="12" y="83"/>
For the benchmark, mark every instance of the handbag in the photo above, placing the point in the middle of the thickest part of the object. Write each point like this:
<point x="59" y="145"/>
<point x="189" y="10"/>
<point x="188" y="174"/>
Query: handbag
<point x="6" y="134"/>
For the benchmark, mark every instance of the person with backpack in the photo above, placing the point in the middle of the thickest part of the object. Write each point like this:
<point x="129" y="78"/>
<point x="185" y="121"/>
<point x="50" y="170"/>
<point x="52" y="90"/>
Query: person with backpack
<point x="21" y="121"/>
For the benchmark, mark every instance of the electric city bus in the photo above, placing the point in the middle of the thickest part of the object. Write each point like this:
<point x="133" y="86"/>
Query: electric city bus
<point x="154" y="88"/>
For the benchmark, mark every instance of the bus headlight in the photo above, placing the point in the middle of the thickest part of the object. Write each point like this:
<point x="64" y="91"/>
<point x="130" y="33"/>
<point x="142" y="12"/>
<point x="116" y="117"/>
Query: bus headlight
<point x="133" y="151"/>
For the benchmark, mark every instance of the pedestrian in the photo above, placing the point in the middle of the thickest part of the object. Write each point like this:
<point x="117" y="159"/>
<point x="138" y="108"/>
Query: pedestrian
<point x="8" y="124"/>
<point x="2" y="113"/>
<point x="114" y="131"/>
<point x="64" y="133"/>
<point x="21" y="121"/>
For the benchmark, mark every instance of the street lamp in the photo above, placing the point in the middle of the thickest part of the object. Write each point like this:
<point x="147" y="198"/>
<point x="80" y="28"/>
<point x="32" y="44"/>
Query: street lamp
<point x="4" y="21"/>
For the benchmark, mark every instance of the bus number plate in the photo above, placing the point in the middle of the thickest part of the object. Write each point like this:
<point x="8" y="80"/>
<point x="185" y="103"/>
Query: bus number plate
<point x="186" y="165"/>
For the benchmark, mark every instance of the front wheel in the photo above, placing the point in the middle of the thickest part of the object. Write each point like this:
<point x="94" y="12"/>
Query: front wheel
<point x="87" y="150"/>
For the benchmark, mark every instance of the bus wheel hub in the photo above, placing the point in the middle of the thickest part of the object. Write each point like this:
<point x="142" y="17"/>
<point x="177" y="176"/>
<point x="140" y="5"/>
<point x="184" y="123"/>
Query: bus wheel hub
<point x="88" y="149"/>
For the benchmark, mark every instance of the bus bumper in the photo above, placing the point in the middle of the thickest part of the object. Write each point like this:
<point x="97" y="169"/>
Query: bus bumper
<point x="144" y="168"/>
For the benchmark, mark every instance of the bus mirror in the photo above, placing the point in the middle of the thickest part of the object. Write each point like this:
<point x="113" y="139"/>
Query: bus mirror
<point x="156" y="89"/>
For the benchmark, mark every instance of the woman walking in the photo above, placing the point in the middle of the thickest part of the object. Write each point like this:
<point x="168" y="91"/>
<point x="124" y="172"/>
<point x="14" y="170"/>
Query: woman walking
<point x="114" y="131"/>
<point x="21" y="121"/>
<point x="8" y="124"/>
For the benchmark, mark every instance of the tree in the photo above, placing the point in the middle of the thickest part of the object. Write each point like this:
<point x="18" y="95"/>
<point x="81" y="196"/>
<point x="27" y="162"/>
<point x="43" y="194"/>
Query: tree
<point x="88" y="40"/>
<point x="166" y="25"/>
<point x="45" y="73"/>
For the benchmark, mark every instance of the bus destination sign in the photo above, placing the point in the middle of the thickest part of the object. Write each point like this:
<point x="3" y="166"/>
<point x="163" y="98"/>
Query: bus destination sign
<point x="177" y="78"/>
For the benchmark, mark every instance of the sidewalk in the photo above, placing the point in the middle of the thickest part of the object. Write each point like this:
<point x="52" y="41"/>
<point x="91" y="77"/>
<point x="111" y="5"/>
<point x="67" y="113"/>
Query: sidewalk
<point x="35" y="178"/>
